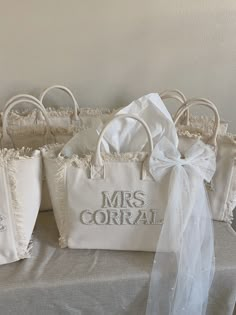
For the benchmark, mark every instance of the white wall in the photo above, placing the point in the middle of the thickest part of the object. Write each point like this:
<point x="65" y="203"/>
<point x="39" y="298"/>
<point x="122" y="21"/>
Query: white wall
<point x="110" y="52"/>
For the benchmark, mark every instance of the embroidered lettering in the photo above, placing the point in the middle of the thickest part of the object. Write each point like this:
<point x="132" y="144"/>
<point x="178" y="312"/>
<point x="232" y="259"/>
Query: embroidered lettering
<point x="142" y="217"/>
<point x="100" y="217"/>
<point x="127" y="197"/>
<point x="111" y="202"/>
<point x="139" y="199"/>
<point x="86" y="217"/>
<point x="122" y="207"/>
<point x="126" y="217"/>
<point x="114" y="217"/>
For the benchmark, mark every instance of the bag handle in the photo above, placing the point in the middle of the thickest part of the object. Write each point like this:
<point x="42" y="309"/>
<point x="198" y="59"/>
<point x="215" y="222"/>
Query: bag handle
<point x="175" y="94"/>
<point x="202" y="100"/>
<point x="98" y="159"/>
<point x="20" y="96"/>
<point x="66" y="90"/>
<point x="194" y="102"/>
<point x="5" y="136"/>
<point x="178" y="96"/>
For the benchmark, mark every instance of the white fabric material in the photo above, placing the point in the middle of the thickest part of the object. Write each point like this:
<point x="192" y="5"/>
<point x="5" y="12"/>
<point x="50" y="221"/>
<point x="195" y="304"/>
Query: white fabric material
<point x="127" y="135"/>
<point x="184" y="265"/>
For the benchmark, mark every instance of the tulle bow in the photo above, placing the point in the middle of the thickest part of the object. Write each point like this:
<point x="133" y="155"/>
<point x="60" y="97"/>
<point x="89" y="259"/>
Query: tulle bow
<point x="183" y="266"/>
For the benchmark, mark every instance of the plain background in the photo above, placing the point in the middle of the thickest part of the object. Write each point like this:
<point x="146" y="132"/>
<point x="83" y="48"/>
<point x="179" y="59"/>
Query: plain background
<point x="111" y="52"/>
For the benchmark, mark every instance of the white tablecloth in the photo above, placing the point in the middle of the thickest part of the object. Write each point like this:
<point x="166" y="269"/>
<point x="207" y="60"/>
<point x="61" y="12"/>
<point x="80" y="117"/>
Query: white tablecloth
<point x="94" y="282"/>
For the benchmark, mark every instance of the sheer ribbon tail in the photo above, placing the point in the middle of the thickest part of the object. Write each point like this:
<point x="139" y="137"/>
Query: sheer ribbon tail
<point x="183" y="266"/>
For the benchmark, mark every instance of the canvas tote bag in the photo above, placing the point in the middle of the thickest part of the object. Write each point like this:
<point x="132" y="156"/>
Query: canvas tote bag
<point x="106" y="201"/>
<point x="222" y="189"/>
<point x="20" y="192"/>
<point x="30" y="130"/>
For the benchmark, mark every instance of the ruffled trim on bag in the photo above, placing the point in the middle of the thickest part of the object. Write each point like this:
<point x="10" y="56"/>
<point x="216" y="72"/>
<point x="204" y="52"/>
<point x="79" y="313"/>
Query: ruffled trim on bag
<point x="7" y="155"/>
<point x="199" y="133"/>
<point x="98" y="111"/>
<point x="86" y="161"/>
<point x="23" y="117"/>
<point x="52" y="151"/>
<point x="41" y="130"/>
<point x="85" y="111"/>
<point x="23" y="247"/>
<point x="206" y="123"/>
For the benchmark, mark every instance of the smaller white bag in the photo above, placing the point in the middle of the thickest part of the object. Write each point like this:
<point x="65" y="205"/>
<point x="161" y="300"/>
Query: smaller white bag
<point x="20" y="193"/>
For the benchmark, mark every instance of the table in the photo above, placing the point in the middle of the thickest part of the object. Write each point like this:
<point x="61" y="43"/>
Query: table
<point x="62" y="281"/>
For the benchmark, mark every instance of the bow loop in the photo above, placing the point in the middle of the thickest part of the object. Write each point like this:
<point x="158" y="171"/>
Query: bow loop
<point x="199" y="158"/>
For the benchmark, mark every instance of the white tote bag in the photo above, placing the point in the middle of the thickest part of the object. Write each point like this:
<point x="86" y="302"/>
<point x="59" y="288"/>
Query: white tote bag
<point x="106" y="201"/>
<point x="21" y="190"/>
<point x="222" y="189"/>
<point x="21" y="133"/>
<point x="30" y="130"/>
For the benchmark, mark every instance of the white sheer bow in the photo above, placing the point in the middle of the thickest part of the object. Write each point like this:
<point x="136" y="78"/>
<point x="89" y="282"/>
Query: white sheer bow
<point x="184" y="262"/>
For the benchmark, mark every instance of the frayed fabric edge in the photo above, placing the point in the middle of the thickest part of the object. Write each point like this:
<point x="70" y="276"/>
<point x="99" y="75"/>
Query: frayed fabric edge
<point x="60" y="212"/>
<point x="22" y="246"/>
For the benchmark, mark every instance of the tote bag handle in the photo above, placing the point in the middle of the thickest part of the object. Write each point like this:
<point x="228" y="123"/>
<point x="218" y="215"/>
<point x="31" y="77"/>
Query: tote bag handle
<point x="194" y="102"/>
<point x="66" y="90"/>
<point x="197" y="100"/>
<point x="98" y="158"/>
<point x="6" y="139"/>
<point x="21" y="96"/>
<point x="178" y="96"/>
<point x="175" y="94"/>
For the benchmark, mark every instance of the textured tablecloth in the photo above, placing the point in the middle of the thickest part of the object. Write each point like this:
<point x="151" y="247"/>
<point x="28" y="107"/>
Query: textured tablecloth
<point x="85" y="282"/>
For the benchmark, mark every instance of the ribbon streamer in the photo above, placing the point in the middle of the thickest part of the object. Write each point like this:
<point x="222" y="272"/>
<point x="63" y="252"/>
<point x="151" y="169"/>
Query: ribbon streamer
<point x="184" y="262"/>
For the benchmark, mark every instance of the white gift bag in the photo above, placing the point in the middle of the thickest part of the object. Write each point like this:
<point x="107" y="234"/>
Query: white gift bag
<point x="106" y="201"/>
<point x="222" y="189"/>
<point x="21" y="190"/>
